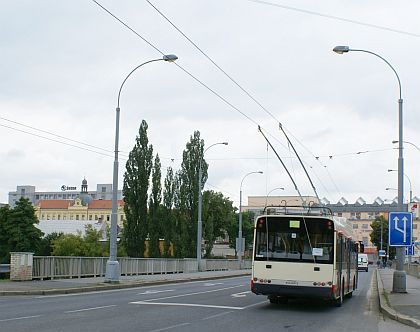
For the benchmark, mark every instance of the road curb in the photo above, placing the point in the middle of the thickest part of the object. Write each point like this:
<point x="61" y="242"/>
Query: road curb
<point x="123" y="285"/>
<point x="389" y="311"/>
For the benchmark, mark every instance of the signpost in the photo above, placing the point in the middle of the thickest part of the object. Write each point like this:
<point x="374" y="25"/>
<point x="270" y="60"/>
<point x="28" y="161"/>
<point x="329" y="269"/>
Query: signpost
<point x="400" y="229"/>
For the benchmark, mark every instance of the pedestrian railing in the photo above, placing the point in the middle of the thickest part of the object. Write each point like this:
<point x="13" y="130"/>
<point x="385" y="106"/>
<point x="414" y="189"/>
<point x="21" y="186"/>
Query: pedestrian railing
<point x="56" y="267"/>
<point x="413" y="269"/>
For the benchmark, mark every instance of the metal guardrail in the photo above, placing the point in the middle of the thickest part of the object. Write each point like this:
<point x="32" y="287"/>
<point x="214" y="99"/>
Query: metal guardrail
<point x="4" y="268"/>
<point x="56" y="267"/>
<point x="412" y="269"/>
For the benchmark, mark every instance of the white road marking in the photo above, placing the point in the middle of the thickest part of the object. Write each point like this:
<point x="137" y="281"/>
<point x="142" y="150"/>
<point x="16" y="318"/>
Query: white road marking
<point x="255" y="304"/>
<point x="209" y="284"/>
<point x="170" y="327"/>
<point x="156" y="291"/>
<point x="88" y="309"/>
<point x="18" y="318"/>
<point x="169" y="282"/>
<point x="197" y="293"/>
<point x="188" y="305"/>
<point x="242" y="294"/>
<point x="218" y="315"/>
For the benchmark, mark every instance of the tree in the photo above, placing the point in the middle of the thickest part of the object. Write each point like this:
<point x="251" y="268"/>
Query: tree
<point x="17" y="229"/>
<point x="46" y="245"/>
<point x="168" y="213"/>
<point x="375" y="235"/>
<point x="68" y="245"/>
<point x="155" y="231"/>
<point x="136" y="185"/>
<point x="192" y="160"/>
<point x="218" y="213"/>
<point x="247" y="229"/>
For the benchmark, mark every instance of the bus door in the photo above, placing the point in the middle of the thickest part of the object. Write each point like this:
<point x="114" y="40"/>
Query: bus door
<point x="339" y="261"/>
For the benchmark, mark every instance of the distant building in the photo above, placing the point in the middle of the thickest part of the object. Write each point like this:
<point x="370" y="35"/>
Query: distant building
<point x="102" y="192"/>
<point x="360" y="213"/>
<point x="77" y="210"/>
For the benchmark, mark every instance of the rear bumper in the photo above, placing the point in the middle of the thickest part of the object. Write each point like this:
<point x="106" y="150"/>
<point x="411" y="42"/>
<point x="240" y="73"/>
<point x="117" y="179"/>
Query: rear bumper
<point x="292" y="291"/>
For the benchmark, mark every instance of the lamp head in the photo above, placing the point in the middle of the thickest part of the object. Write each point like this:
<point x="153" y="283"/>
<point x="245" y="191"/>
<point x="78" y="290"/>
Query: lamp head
<point x="170" y="57"/>
<point x="393" y="142"/>
<point x="225" y="143"/>
<point x="392" y="170"/>
<point x="260" y="172"/>
<point x="341" y="49"/>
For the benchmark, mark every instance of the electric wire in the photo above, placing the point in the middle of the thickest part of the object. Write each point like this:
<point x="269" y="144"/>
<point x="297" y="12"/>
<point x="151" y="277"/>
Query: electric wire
<point x="332" y="17"/>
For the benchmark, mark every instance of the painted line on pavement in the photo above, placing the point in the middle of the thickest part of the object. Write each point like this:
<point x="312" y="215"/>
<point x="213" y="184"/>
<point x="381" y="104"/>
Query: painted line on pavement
<point x="196" y="293"/>
<point x="170" y="327"/>
<point x="18" y="318"/>
<point x="218" y="315"/>
<point x="188" y="305"/>
<point x="156" y="291"/>
<point x="88" y="309"/>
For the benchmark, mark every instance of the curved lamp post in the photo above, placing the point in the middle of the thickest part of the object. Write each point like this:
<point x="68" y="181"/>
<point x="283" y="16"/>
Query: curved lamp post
<point x="399" y="277"/>
<point x="113" y="272"/>
<point x="393" y="142"/>
<point x="239" y="242"/>
<point x="266" y="197"/>
<point x="200" y="205"/>
<point x="409" y="181"/>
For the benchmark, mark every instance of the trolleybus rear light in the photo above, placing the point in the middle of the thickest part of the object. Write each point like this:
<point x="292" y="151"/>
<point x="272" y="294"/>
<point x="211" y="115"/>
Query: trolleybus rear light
<point x="329" y="283"/>
<point x="323" y="283"/>
<point x="269" y="281"/>
<point x="255" y="279"/>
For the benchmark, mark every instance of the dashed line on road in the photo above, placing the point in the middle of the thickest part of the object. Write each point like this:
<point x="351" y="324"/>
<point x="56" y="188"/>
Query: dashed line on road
<point x="170" y="327"/>
<point x="188" y="305"/>
<point x="196" y="293"/>
<point x="88" y="309"/>
<point x="18" y="318"/>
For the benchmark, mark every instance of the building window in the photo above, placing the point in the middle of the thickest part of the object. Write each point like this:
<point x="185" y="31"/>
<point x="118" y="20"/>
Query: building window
<point x="90" y="217"/>
<point x="59" y="217"/>
<point x="77" y="217"/>
<point x="96" y="217"/>
<point x="365" y="240"/>
<point x="355" y="226"/>
<point x="365" y="226"/>
<point x="121" y="217"/>
<point x="71" y="217"/>
<point x="43" y="217"/>
<point x="64" y="217"/>
<point x="104" y="189"/>
<point x="352" y="215"/>
<point x="83" y="217"/>
<point x="107" y="217"/>
<point x="414" y="226"/>
<point x="340" y="214"/>
<point x="358" y="215"/>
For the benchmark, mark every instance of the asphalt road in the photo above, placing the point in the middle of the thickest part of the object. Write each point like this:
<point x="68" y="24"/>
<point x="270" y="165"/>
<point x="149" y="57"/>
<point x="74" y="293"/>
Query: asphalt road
<point x="219" y="305"/>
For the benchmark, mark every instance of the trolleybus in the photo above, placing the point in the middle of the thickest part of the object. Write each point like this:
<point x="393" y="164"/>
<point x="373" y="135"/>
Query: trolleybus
<point x="303" y="252"/>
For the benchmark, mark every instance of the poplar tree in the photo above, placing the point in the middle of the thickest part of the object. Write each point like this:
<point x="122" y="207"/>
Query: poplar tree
<point x="192" y="159"/>
<point x="155" y="231"/>
<point x="167" y="225"/>
<point x="136" y="185"/>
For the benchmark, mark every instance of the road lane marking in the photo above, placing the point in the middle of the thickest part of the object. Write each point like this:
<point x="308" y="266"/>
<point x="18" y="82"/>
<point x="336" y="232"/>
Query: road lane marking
<point x="196" y="293"/>
<point x="242" y="294"/>
<point x="18" y="318"/>
<point x="170" y="327"/>
<point x="88" y="309"/>
<point x="209" y="284"/>
<point x="218" y="315"/>
<point x="255" y="304"/>
<point x="188" y="305"/>
<point x="156" y="291"/>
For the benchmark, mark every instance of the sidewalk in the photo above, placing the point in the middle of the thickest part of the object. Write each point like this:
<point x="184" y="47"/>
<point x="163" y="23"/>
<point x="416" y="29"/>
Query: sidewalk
<point x="79" y="285"/>
<point x="403" y="307"/>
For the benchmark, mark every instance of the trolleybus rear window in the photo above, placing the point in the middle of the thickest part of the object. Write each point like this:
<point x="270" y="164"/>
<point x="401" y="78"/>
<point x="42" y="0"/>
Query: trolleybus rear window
<point x="294" y="239"/>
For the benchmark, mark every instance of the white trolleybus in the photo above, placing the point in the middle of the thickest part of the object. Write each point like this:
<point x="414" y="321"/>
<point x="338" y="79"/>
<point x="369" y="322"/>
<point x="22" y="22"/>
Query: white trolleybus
<point x="303" y="252"/>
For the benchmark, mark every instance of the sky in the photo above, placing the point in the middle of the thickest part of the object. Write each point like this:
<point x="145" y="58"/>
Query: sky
<point x="254" y="63"/>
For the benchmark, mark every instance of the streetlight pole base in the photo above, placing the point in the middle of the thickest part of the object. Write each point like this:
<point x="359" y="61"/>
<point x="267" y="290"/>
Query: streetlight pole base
<point x="112" y="274"/>
<point x="399" y="282"/>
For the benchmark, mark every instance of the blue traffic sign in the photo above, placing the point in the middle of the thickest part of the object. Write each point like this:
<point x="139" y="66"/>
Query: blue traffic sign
<point x="409" y="251"/>
<point x="400" y="228"/>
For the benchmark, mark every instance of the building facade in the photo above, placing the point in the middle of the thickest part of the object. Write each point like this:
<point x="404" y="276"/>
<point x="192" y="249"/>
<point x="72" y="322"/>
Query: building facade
<point x="360" y="213"/>
<point x="102" y="192"/>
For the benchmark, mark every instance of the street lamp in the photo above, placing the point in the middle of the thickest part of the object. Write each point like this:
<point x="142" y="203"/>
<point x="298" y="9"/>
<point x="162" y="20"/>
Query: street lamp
<point x="113" y="272"/>
<point x="200" y="204"/>
<point x="409" y="181"/>
<point x="266" y="197"/>
<point x="239" y="242"/>
<point x="399" y="278"/>
<point x="393" y="142"/>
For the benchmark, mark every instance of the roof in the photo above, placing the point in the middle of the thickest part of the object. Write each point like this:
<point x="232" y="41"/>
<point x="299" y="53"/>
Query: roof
<point x="105" y="204"/>
<point x="68" y="226"/>
<point x="55" y="204"/>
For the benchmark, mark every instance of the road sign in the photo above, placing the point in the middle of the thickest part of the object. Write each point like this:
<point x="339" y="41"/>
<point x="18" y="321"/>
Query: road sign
<point x="400" y="228"/>
<point x="382" y="253"/>
<point x="409" y="251"/>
